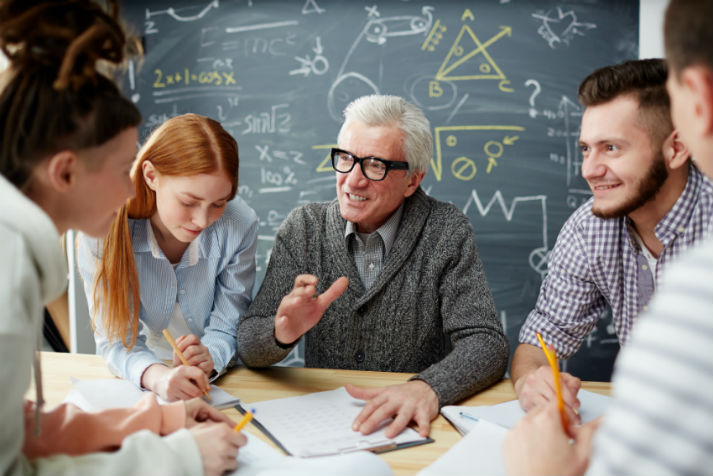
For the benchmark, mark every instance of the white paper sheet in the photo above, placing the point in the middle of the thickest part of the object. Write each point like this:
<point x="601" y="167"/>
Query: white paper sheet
<point x="259" y="458"/>
<point x="320" y="424"/>
<point x="478" y="453"/>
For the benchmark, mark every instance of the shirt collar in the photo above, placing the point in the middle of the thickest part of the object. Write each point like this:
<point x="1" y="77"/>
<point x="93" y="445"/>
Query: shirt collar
<point x="193" y="250"/>
<point x="675" y="221"/>
<point x="387" y="231"/>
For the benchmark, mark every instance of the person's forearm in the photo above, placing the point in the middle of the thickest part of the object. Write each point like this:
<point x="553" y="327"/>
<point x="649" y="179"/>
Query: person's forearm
<point x="527" y="359"/>
<point x="473" y="365"/>
<point x="68" y="430"/>
<point x="257" y="346"/>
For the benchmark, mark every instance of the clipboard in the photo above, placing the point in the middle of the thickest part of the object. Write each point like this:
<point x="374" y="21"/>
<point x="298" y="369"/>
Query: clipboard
<point x="319" y="424"/>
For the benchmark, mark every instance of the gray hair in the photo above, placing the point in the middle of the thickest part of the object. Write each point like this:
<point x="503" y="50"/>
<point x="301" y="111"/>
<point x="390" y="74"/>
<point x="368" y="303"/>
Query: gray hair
<point x="381" y="110"/>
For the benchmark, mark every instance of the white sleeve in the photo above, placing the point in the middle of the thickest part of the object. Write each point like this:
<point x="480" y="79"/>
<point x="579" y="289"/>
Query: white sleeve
<point x="662" y="420"/>
<point x="143" y="453"/>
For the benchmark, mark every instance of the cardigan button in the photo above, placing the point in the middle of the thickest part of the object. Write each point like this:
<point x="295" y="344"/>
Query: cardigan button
<point x="359" y="356"/>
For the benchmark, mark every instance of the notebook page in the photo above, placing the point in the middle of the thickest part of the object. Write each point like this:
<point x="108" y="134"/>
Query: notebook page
<point x="507" y="414"/>
<point x="320" y="424"/>
<point x="101" y="394"/>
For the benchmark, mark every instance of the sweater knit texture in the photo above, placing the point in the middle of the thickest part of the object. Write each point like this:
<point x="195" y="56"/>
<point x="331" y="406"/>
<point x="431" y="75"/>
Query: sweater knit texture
<point x="430" y="310"/>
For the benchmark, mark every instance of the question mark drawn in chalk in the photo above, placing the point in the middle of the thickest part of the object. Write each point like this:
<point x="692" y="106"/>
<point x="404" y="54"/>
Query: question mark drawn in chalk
<point x="533" y="82"/>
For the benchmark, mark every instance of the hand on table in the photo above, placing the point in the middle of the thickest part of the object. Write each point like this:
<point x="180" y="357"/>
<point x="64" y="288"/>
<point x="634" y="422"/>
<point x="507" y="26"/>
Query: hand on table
<point x="302" y="308"/>
<point x="537" y="388"/>
<point x="195" y="353"/>
<point x="539" y="445"/>
<point x="218" y="445"/>
<point x="179" y="383"/>
<point x="410" y="401"/>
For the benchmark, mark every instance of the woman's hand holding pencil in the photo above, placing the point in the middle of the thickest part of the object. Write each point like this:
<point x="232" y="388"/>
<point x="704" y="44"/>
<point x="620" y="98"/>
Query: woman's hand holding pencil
<point x="206" y="386"/>
<point x="194" y="352"/>
<point x="179" y="383"/>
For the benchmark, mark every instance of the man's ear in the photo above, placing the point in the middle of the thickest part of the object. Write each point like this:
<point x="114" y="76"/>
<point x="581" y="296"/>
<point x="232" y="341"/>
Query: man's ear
<point x="698" y="80"/>
<point x="413" y="182"/>
<point x="675" y="152"/>
<point x="150" y="175"/>
<point x="62" y="170"/>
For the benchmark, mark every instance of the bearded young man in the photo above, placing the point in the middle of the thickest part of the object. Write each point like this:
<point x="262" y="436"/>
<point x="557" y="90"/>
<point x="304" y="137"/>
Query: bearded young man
<point x="649" y="204"/>
<point x="660" y="421"/>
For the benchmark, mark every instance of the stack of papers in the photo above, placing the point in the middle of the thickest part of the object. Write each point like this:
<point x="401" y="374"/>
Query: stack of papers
<point x="320" y="424"/>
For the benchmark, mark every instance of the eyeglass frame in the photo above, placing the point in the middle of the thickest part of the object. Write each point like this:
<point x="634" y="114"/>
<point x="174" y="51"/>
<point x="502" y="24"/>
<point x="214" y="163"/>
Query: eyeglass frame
<point x="389" y="164"/>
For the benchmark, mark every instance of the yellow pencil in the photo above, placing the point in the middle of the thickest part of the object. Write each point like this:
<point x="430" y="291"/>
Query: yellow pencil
<point x="552" y="359"/>
<point x="244" y="421"/>
<point x="170" y="340"/>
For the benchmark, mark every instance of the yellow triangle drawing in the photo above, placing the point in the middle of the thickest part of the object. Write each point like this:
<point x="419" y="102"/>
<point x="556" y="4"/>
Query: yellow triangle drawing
<point x="462" y="51"/>
<point x="326" y="164"/>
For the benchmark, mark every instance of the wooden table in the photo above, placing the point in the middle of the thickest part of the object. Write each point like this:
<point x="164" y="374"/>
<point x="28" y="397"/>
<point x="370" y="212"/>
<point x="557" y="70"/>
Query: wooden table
<point x="279" y="382"/>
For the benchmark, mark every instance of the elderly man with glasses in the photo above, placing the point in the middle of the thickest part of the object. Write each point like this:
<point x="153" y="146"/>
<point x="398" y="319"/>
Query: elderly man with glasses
<point x="383" y="278"/>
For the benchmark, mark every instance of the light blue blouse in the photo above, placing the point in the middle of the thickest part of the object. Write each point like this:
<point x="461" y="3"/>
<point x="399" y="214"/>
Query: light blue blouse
<point x="212" y="284"/>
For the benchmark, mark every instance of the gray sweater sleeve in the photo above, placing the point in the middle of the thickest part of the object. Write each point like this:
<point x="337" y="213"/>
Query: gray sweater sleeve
<point x="257" y="346"/>
<point x="480" y="350"/>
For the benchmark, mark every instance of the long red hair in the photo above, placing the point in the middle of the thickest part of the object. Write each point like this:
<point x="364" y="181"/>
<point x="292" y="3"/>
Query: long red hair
<point x="185" y="145"/>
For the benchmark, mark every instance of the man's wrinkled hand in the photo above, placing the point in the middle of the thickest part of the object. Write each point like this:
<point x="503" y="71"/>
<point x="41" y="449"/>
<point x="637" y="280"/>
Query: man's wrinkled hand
<point x="302" y="308"/>
<point x="410" y="401"/>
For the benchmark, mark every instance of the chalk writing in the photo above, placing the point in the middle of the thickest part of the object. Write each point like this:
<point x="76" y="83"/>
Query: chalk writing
<point x="464" y="168"/>
<point x="560" y="27"/>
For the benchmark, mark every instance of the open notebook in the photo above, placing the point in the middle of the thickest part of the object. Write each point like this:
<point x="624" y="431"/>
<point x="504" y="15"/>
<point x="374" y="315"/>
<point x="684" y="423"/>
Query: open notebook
<point x="507" y="414"/>
<point x="485" y="427"/>
<point x="100" y="394"/>
<point x="320" y="423"/>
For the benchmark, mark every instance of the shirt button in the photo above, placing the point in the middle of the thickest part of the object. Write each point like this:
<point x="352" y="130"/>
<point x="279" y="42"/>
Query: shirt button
<point x="681" y="229"/>
<point x="190" y="319"/>
<point x="646" y="308"/>
<point x="359" y="356"/>
<point x="644" y="267"/>
<point x="182" y="291"/>
<point x="371" y="265"/>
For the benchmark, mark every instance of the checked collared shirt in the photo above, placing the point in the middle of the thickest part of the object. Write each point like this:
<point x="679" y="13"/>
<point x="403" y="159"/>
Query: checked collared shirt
<point x="598" y="261"/>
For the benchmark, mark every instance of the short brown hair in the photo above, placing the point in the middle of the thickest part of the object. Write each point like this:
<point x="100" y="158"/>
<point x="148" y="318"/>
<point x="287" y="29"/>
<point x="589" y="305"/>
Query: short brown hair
<point x="688" y="34"/>
<point x="643" y="79"/>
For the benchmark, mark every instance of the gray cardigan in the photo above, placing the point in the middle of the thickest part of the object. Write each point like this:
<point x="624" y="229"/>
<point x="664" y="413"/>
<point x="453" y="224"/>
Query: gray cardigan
<point x="430" y="310"/>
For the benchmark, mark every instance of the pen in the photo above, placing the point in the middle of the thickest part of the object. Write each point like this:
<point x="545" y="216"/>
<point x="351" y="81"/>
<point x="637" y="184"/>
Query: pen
<point x="246" y="418"/>
<point x="552" y="359"/>
<point x="469" y="417"/>
<point x="170" y="340"/>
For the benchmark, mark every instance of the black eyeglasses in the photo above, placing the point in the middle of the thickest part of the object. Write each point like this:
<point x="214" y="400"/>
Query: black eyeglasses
<point x="373" y="168"/>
